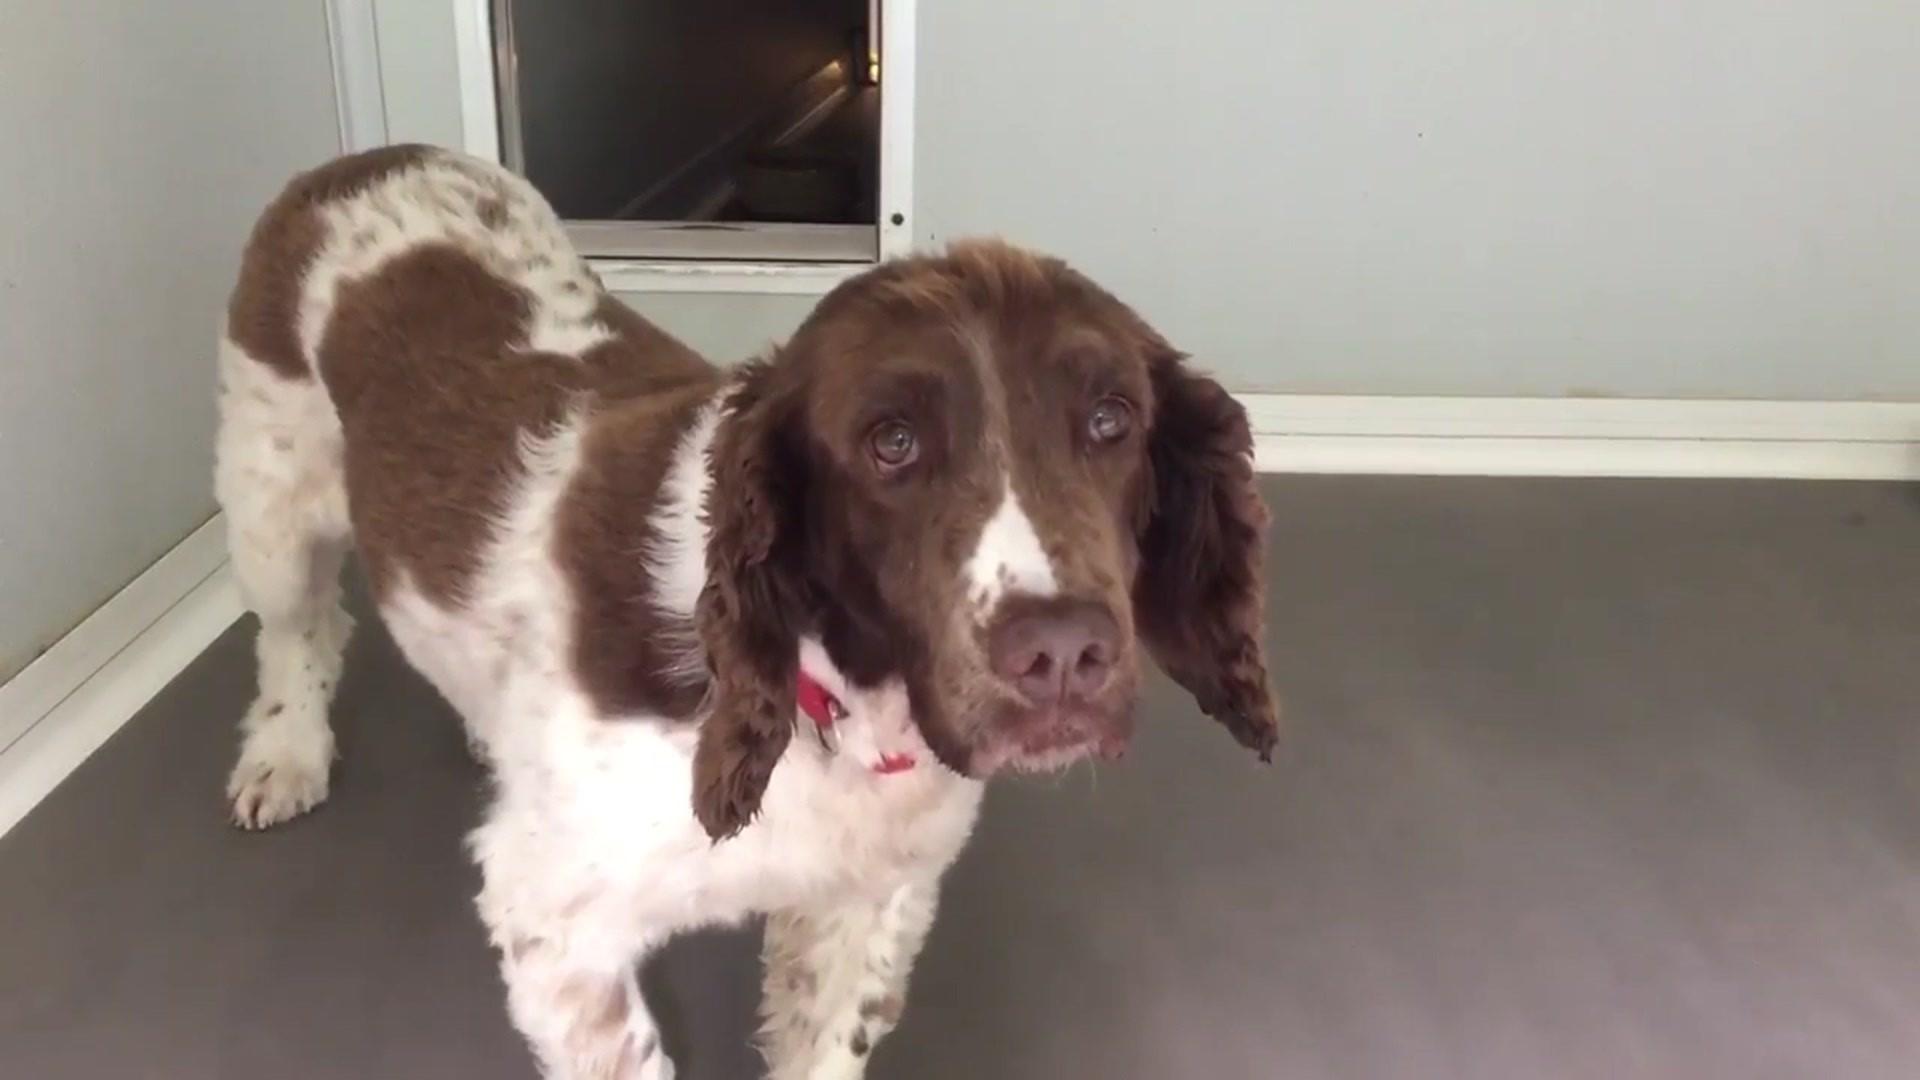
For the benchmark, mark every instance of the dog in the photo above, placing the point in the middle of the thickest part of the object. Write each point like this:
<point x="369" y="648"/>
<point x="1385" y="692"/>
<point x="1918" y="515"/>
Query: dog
<point x="732" y="641"/>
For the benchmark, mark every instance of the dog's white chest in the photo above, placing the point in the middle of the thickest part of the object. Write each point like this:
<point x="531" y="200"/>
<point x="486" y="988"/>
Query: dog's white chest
<point x="618" y="796"/>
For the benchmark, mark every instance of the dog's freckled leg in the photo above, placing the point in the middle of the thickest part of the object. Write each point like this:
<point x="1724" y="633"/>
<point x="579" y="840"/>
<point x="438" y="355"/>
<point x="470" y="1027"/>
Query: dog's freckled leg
<point x="569" y="959"/>
<point x="290" y="580"/>
<point x="583" y="1020"/>
<point x="836" y="981"/>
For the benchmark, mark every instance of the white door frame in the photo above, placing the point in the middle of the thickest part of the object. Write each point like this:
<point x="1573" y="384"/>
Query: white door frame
<point x="359" y="99"/>
<point x="475" y="57"/>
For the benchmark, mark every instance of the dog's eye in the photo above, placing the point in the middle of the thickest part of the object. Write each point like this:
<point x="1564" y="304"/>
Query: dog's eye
<point x="1110" y="420"/>
<point x="893" y="445"/>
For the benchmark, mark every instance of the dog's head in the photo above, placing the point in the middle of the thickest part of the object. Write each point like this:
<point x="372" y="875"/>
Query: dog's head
<point x="984" y="475"/>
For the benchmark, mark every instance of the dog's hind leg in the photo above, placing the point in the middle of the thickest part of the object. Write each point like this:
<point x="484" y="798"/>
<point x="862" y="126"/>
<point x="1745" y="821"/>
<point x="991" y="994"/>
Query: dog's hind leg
<point x="278" y="478"/>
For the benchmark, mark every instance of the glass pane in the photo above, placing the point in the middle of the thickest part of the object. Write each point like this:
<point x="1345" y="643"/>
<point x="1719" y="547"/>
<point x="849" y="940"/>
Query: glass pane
<point x="693" y="110"/>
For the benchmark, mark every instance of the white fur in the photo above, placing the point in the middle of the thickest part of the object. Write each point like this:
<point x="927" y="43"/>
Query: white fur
<point x="677" y="560"/>
<point x="590" y="853"/>
<point x="277" y="473"/>
<point x="836" y="980"/>
<point x="1008" y="558"/>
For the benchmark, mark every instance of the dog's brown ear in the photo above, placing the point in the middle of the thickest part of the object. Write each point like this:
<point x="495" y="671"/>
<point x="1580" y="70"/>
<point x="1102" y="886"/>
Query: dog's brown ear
<point x="1200" y="594"/>
<point x="750" y="610"/>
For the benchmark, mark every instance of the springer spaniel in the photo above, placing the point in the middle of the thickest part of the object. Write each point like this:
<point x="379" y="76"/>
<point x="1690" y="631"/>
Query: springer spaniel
<point x="932" y="533"/>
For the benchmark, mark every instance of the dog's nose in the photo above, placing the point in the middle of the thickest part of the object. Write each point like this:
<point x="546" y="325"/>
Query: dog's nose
<point x="1056" y="650"/>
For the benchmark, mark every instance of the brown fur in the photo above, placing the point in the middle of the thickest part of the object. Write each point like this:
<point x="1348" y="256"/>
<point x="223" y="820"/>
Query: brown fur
<point x="624" y="650"/>
<point x="648" y="388"/>
<point x="1200" y="593"/>
<point x="434" y="418"/>
<point x="433" y="404"/>
<point x="492" y="210"/>
<point x="263" y="313"/>
<point x="751" y="613"/>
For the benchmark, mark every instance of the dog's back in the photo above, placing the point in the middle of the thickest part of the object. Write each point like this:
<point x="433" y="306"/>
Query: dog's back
<point x="411" y="340"/>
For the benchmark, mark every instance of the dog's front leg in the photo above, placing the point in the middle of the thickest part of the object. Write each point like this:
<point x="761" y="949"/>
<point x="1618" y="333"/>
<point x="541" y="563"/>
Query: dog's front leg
<point x="583" y="1021"/>
<point x="568" y="951"/>
<point x="836" y="980"/>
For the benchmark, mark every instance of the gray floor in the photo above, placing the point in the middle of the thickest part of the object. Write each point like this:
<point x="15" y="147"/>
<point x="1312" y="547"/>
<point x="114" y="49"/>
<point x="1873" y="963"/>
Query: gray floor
<point x="1586" y="779"/>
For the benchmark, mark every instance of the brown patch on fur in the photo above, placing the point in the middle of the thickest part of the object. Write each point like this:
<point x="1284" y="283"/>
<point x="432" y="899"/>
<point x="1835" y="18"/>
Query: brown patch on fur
<point x="648" y="391"/>
<point x="435" y="399"/>
<point x="263" y="312"/>
<point x="1200" y="595"/>
<point x="641" y="358"/>
<point x="434" y="402"/>
<point x="887" y="1010"/>
<point x="626" y="650"/>
<point x="492" y="210"/>
<point x="276" y="709"/>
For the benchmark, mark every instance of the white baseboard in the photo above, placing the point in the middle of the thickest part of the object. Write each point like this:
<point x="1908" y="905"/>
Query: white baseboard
<point x="69" y="701"/>
<point x="1436" y="436"/>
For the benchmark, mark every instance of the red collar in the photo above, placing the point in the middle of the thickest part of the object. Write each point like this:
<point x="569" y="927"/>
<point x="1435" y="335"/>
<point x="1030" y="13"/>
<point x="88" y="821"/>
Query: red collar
<point x="818" y="703"/>
<point x="825" y="710"/>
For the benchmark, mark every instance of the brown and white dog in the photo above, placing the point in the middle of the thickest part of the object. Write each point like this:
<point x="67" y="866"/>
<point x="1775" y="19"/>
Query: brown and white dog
<point x="936" y="530"/>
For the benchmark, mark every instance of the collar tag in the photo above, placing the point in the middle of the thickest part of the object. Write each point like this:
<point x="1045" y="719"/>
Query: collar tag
<point x="821" y="707"/>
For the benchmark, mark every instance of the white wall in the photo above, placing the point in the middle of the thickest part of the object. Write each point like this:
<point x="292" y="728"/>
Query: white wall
<point x="1634" y="197"/>
<point x="140" y="139"/>
<point x="1618" y="197"/>
<point x="724" y="326"/>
